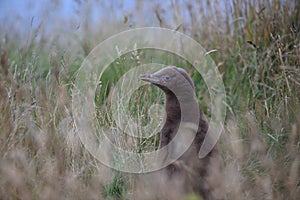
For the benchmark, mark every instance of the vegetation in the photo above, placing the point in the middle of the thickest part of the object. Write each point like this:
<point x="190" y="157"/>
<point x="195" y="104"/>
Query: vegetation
<point x="256" y="46"/>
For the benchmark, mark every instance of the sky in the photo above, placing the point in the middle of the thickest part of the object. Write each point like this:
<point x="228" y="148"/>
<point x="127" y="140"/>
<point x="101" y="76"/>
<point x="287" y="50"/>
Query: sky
<point x="21" y="17"/>
<point x="30" y="13"/>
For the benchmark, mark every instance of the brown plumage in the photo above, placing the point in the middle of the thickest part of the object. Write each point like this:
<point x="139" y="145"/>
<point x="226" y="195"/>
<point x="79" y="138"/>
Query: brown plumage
<point x="199" y="176"/>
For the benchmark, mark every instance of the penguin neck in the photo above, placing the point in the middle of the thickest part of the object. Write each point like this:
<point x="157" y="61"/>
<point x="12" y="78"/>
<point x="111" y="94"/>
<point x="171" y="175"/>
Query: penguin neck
<point x="175" y="103"/>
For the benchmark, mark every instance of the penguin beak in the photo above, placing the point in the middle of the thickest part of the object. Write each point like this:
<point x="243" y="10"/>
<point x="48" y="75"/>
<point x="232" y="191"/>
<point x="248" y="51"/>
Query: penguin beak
<point x="151" y="78"/>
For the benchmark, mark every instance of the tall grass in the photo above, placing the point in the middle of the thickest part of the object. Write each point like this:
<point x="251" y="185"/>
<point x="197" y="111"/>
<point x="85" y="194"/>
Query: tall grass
<point x="256" y="46"/>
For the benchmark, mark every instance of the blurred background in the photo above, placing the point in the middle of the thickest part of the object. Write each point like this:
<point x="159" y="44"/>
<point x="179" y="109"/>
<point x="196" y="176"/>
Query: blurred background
<point x="255" y="45"/>
<point x="98" y="17"/>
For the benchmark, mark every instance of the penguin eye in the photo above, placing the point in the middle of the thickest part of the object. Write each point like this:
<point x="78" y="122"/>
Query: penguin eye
<point x="167" y="78"/>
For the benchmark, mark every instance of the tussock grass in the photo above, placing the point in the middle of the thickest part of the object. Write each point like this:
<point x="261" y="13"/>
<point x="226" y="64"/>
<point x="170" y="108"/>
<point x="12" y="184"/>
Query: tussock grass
<point x="256" y="46"/>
